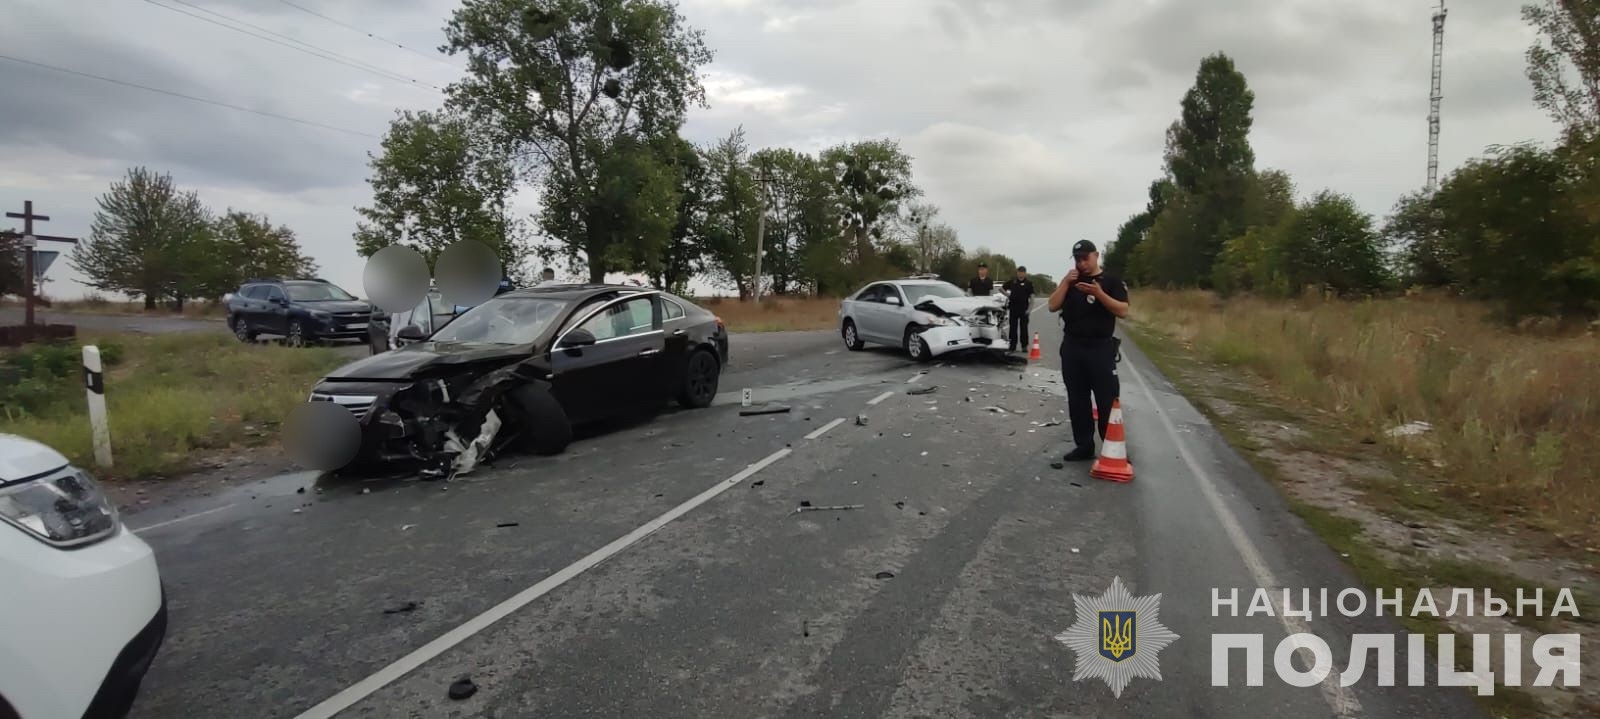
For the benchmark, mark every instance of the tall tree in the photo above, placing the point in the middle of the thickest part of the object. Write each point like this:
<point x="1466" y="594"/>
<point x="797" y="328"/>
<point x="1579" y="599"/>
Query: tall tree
<point x="872" y="179"/>
<point x="1209" y="159"/>
<point x="440" y="180"/>
<point x="799" y="214"/>
<point x="734" y="212"/>
<point x="1331" y="244"/>
<point x="1564" y="63"/>
<point x="686" y="249"/>
<point x="579" y="86"/>
<point x="242" y="245"/>
<point x="11" y="263"/>
<point x="145" y="239"/>
<point x="930" y="240"/>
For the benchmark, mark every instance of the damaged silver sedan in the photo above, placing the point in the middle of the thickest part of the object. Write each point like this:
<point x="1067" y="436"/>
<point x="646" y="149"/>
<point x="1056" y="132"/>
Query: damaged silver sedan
<point x="926" y="317"/>
<point x="523" y="369"/>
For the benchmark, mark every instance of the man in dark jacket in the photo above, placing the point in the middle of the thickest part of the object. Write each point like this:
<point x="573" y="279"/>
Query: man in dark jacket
<point x="1019" y="298"/>
<point x="1090" y="301"/>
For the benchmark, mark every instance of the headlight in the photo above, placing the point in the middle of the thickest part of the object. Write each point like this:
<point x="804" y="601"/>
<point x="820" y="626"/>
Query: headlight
<point x="66" y="510"/>
<point x="941" y="322"/>
<point x="320" y="315"/>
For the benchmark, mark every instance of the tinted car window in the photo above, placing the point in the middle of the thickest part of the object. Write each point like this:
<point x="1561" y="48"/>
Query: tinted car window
<point x="671" y="310"/>
<point x="509" y="321"/>
<point x="622" y="319"/>
<point x="254" y="292"/>
<point x="935" y="289"/>
<point x="316" y="292"/>
<point x="273" y="293"/>
<point x="871" y="294"/>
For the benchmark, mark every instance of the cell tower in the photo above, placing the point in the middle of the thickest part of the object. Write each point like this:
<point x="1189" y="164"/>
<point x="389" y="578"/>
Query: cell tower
<point x="1435" y="96"/>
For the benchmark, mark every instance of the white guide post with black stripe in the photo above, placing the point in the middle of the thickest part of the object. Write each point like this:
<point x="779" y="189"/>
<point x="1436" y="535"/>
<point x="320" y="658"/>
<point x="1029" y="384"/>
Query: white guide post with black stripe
<point x="94" y="381"/>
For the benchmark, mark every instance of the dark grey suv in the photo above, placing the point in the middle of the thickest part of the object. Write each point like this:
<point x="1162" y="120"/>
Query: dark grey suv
<point x="300" y="311"/>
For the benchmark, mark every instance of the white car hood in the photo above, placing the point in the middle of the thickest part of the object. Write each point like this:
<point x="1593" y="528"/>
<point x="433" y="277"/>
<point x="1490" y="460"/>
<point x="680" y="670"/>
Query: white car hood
<point x="963" y="306"/>
<point x="22" y="457"/>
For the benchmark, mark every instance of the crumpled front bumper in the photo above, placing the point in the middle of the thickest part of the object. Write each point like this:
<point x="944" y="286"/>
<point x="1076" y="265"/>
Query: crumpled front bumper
<point x="944" y="340"/>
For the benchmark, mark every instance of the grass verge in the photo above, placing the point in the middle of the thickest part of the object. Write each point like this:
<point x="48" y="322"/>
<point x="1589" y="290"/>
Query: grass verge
<point x="775" y="314"/>
<point x="1188" y="346"/>
<point x="172" y="395"/>
<point x="99" y="305"/>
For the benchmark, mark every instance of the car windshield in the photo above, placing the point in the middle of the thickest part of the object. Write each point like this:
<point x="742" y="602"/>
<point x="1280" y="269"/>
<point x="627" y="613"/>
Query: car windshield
<point x="316" y="292"/>
<point x="917" y="292"/>
<point x="502" y="321"/>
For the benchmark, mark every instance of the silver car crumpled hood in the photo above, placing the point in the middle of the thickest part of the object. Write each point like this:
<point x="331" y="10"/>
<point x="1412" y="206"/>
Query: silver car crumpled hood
<point x="962" y="306"/>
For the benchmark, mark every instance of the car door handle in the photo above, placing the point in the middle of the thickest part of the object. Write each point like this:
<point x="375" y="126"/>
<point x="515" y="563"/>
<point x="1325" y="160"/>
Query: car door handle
<point x="649" y="353"/>
<point x="679" y="333"/>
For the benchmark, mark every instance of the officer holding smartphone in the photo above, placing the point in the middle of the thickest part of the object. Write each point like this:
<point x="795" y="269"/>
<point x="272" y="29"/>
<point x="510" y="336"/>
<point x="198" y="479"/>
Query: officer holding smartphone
<point x="1090" y="302"/>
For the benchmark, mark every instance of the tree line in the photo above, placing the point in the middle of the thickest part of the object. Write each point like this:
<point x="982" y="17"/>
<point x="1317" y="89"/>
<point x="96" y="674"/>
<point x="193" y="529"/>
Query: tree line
<point x="154" y="241"/>
<point x="584" y="100"/>
<point x="1517" y="226"/>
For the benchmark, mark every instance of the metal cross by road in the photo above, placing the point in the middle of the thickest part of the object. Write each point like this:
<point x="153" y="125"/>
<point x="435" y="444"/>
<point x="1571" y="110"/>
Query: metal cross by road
<point x="29" y="242"/>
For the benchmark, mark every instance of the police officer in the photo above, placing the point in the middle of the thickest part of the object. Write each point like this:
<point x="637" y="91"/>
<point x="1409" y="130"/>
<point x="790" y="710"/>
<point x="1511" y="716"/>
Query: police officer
<point x="981" y="286"/>
<point x="1090" y="302"/>
<point x="1019" y="295"/>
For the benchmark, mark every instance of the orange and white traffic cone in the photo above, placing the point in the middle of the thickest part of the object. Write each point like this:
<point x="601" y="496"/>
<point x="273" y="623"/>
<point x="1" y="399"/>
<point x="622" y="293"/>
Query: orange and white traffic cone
<point x="1094" y="411"/>
<point x="1034" y="354"/>
<point x="1113" y="463"/>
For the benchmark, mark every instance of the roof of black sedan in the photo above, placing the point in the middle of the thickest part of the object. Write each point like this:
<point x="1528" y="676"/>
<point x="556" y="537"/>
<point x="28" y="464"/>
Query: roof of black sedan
<point x="572" y="290"/>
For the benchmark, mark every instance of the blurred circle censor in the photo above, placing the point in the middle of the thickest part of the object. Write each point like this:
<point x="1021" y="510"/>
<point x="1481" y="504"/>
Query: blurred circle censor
<point x="395" y="278"/>
<point x="468" y="273"/>
<point x="321" y="435"/>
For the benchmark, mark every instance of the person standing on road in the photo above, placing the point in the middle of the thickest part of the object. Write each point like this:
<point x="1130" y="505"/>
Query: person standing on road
<point x="981" y="286"/>
<point x="1019" y="297"/>
<point x="548" y="277"/>
<point x="1090" y="302"/>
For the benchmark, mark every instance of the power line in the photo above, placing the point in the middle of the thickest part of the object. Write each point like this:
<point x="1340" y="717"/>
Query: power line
<point x="431" y="56"/>
<point x="313" y="50"/>
<point x="217" y="103"/>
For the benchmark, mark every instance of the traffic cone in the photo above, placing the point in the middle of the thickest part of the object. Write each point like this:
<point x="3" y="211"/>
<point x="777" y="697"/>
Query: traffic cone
<point x="1094" y="410"/>
<point x="1113" y="463"/>
<point x="1033" y="354"/>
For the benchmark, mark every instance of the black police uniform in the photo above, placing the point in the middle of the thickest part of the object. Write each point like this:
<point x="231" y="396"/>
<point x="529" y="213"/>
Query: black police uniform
<point x="1020" y="294"/>
<point x="1089" y="357"/>
<point x="981" y="287"/>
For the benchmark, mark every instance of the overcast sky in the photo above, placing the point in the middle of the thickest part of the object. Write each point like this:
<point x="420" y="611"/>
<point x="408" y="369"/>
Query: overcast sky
<point x="1031" y="123"/>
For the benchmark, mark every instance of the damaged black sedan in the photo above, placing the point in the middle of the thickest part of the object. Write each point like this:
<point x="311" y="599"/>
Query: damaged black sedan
<point x="523" y="369"/>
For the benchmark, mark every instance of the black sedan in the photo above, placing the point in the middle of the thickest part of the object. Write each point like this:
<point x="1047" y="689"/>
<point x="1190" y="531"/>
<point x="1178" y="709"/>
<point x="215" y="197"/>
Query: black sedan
<point x="526" y="367"/>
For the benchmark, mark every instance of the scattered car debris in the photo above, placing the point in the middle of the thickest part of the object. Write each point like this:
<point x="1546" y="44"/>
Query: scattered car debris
<point x="301" y="490"/>
<point x="1057" y="465"/>
<point x="1075" y="484"/>
<point x="899" y="505"/>
<point x="406" y="527"/>
<point x="996" y="410"/>
<point x="296" y="511"/>
<point x="924" y="454"/>
<point x="1075" y="550"/>
<point x="462" y="688"/>
<point x="930" y="389"/>
<point x="805" y="628"/>
<point x="1051" y="423"/>
<point x="907" y="434"/>
<point x="503" y="525"/>
<point x="861" y="420"/>
<point x="757" y="483"/>
<point x="402" y="609"/>
<point x="765" y="409"/>
<point x="366" y="490"/>
<point x="805" y="502"/>
<point x="806" y="507"/>
<point x="883" y="575"/>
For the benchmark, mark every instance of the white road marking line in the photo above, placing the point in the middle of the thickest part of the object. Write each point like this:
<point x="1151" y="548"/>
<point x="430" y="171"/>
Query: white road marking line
<point x="879" y="398"/>
<point x="408" y="663"/>
<point x="824" y="428"/>
<point x="831" y="352"/>
<point x="914" y="379"/>
<point x="184" y="518"/>
<point x="1339" y="698"/>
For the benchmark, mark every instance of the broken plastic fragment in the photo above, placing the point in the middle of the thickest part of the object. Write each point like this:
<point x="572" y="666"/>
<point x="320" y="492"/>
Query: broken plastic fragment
<point x="883" y="575"/>
<point x="401" y="609"/>
<point x="765" y="409"/>
<point x="462" y="688"/>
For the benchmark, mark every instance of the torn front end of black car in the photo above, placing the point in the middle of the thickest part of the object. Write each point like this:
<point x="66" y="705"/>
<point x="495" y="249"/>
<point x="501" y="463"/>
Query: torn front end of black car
<point x="447" y="409"/>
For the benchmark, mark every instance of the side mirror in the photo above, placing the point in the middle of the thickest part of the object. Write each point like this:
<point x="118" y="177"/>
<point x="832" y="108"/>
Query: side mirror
<point x="411" y="333"/>
<point x="893" y="300"/>
<point x="577" y="338"/>
<point x="281" y="301"/>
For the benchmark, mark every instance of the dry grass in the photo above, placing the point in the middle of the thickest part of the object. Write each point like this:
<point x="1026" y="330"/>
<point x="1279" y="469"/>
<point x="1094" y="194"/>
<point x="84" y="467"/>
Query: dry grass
<point x="1514" y="416"/>
<point x="175" y="394"/>
<point x="775" y="314"/>
<point x="100" y="305"/>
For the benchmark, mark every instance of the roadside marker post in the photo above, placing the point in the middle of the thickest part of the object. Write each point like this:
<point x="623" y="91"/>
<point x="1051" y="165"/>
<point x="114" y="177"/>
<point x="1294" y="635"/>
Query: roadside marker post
<point x="94" y="381"/>
<point x="747" y="396"/>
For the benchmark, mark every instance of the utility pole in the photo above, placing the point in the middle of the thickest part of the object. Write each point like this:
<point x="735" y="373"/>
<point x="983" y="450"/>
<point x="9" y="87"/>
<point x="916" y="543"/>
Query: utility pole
<point x="1435" y="96"/>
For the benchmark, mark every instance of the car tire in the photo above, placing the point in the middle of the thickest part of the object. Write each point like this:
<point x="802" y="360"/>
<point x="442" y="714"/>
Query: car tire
<point x="852" y="338"/>
<point x="699" y="387"/>
<point x="241" y="329"/>
<point x="545" y="427"/>
<point x="916" y="347"/>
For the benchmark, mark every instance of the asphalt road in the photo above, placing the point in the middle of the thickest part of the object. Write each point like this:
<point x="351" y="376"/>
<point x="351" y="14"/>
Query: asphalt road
<point x="659" y="568"/>
<point x="123" y="323"/>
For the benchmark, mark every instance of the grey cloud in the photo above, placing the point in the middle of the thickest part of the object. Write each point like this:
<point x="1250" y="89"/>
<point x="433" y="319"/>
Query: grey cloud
<point x="991" y="174"/>
<point x="997" y="92"/>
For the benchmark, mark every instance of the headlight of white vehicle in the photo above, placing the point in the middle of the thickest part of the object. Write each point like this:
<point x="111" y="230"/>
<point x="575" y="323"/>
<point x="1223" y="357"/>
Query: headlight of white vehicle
<point x="67" y="509"/>
<point x="942" y="321"/>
